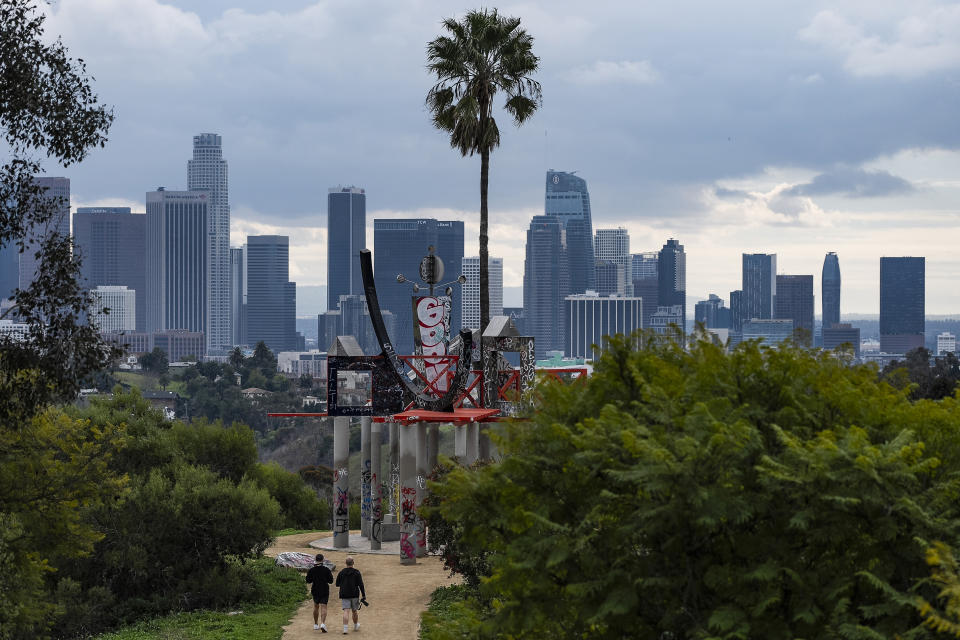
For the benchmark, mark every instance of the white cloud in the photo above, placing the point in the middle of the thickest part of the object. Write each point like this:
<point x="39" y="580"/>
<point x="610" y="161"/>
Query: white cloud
<point x="921" y="44"/>
<point x="613" y="72"/>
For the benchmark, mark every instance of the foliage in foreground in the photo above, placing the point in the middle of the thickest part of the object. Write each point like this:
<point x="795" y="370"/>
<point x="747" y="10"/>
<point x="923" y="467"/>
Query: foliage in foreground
<point x="275" y="595"/>
<point x="198" y="508"/>
<point x="448" y="616"/>
<point x="769" y="493"/>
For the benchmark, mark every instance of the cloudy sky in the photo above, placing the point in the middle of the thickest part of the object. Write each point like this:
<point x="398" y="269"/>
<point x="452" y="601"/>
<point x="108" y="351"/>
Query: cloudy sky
<point x="793" y="128"/>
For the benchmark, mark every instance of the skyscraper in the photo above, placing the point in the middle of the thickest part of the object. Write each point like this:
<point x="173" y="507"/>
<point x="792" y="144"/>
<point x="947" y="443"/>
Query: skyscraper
<point x="794" y="301"/>
<point x="736" y="311"/>
<point x="759" y="286"/>
<point x="672" y="278"/>
<point x="567" y="199"/>
<point x="614" y="245"/>
<point x="545" y="283"/>
<point x="646" y="283"/>
<point x="238" y="294"/>
<point x="711" y="313"/>
<point x="346" y="237"/>
<point x="589" y="319"/>
<point x="58" y="190"/>
<point x="176" y="281"/>
<point x="111" y="243"/>
<point x="398" y="247"/>
<point x="9" y="269"/>
<point x="830" y="290"/>
<point x="207" y="171"/>
<point x="902" y="304"/>
<point x="470" y="291"/>
<point x="114" y="309"/>
<point x="271" y="297"/>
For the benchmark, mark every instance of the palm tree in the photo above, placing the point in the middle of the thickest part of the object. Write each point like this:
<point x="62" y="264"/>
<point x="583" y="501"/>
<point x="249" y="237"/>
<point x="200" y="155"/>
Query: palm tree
<point x="483" y="54"/>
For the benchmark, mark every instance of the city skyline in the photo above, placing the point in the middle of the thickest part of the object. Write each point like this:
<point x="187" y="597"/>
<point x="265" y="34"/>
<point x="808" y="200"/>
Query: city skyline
<point x="773" y="157"/>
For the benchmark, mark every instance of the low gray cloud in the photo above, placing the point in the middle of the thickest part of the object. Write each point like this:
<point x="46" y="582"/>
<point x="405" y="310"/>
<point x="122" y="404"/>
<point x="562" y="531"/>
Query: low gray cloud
<point x="853" y="183"/>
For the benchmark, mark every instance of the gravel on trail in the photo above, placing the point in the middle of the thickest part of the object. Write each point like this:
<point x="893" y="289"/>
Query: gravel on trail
<point x="397" y="594"/>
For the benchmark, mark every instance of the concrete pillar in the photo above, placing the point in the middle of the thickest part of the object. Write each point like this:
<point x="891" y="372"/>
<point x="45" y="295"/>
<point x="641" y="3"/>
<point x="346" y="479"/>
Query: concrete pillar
<point x="365" y="473"/>
<point x="483" y="450"/>
<point x="394" y="515"/>
<point x="408" y="494"/>
<point x="421" y="527"/>
<point x="460" y="443"/>
<point x="376" y="486"/>
<point x="433" y="447"/>
<point x="341" y="482"/>
<point x="472" y="430"/>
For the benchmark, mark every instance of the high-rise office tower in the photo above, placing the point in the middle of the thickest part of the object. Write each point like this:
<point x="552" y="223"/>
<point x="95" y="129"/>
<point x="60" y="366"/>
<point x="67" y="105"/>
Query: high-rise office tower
<point x="398" y="247"/>
<point x="711" y="313"/>
<point x="57" y="190"/>
<point x="590" y="319"/>
<point x="830" y="290"/>
<point x="567" y="199"/>
<point x="114" y="309"/>
<point x="736" y="311"/>
<point x="646" y="283"/>
<point x="9" y="269"/>
<point x="902" y="304"/>
<point x="238" y="294"/>
<point x="610" y="279"/>
<point x="176" y="281"/>
<point x="614" y="245"/>
<point x="759" y="286"/>
<point x="470" y="292"/>
<point x="794" y="302"/>
<point x="346" y="237"/>
<point x="545" y="283"/>
<point x="111" y="243"/>
<point x="207" y="171"/>
<point x="672" y="278"/>
<point x="271" y="297"/>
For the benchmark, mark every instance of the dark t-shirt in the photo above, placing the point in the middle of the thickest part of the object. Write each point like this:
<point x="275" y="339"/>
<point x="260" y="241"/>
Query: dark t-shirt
<point x="350" y="583"/>
<point x="320" y="578"/>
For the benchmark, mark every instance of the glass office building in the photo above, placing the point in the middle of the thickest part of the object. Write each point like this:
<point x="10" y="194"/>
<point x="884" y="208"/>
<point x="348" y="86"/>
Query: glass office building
<point x="545" y="284"/>
<point x="794" y="302"/>
<point x="830" y="290"/>
<point x="902" y="304"/>
<point x="271" y="297"/>
<point x="346" y="237"/>
<point x="568" y="200"/>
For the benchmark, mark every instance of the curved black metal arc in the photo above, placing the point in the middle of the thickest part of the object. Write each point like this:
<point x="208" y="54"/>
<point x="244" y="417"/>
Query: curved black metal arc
<point x="422" y="400"/>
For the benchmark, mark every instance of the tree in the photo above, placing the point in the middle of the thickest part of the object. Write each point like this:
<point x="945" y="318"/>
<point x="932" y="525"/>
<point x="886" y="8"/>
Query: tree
<point x="932" y="382"/>
<point x="155" y="361"/>
<point x="769" y="493"/>
<point x="49" y="466"/>
<point x="236" y="358"/>
<point x="483" y="54"/>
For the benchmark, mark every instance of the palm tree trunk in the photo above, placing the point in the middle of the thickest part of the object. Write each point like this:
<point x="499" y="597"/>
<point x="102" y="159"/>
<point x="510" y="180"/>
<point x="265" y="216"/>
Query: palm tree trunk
<point x="484" y="252"/>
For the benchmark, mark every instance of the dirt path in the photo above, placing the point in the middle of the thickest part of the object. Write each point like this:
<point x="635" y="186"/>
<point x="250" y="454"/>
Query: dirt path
<point x="397" y="593"/>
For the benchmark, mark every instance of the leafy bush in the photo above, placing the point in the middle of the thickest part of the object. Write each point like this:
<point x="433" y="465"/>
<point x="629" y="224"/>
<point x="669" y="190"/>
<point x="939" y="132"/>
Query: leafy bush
<point x="768" y="493"/>
<point x="301" y="509"/>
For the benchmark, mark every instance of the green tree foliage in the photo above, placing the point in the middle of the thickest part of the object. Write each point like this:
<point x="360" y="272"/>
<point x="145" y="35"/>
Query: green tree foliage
<point x="198" y="505"/>
<point x="156" y="361"/>
<point x="482" y="55"/>
<point x="932" y="381"/>
<point x="769" y="493"/>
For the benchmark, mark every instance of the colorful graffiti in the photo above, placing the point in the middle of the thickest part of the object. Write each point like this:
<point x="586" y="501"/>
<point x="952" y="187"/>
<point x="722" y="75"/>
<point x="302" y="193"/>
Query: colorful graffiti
<point x="432" y="337"/>
<point x="365" y="499"/>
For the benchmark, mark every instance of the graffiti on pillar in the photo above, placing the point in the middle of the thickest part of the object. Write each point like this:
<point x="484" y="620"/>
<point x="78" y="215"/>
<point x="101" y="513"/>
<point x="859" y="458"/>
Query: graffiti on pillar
<point x="421" y="533"/>
<point x="376" y="510"/>
<point x="431" y="338"/>
<point x="407" y="551"/>
<point x="494" y="376"/>
<point x="421" y="482"/>
<point x="395" y="488"/>
<point x="365" y="491"/>
<point x="340" y="473"/>
<point x="342" y="511"/>
<point x="408" y="510"/>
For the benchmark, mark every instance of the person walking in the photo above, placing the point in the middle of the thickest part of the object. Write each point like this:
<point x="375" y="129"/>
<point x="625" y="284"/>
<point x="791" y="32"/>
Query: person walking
<point x="319" y="578"/>
<point x="351" y="591"/>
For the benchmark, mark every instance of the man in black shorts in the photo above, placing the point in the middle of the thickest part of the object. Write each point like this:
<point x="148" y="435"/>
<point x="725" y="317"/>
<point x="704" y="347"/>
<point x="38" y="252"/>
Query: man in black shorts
<point x="319" y="577"/>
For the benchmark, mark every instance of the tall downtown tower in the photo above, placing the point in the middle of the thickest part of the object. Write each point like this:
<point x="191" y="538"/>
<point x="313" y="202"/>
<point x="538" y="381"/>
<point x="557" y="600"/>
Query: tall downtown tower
<point x="207" y="171"/>
<point x="346" y="238"/>
<point x="902" y="303"/>
<point x="567" y="198"/>
<point x="830" y="290"/>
